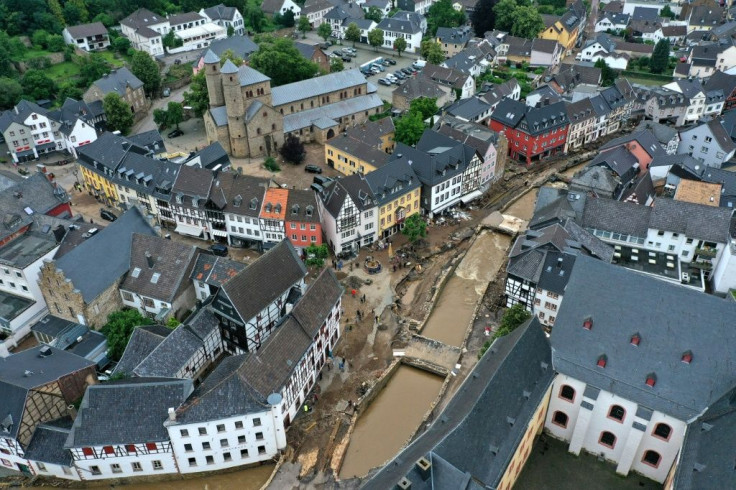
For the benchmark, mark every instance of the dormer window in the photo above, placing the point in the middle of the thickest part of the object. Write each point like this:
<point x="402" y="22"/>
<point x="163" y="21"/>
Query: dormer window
<point x="278" y="208"/>
<point x="602" y="361"/>
<point x="651" y="379"/>
<point x="268" y="207"/>
<point x="588" y="323"/>
<point x="254" y="203"/>
<point x="635" y="339"/>
<point x="309" y="210"/>
<point x="687" y="357"/>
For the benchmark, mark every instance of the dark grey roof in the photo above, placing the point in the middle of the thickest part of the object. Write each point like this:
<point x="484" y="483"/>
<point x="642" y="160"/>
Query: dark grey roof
<point x="214" y="270"/>
<point x="249" y="301"/>
<point x="359" y="149"/>
<point x="150" y="140"/>
<point x="47" y="443"/>
<point x="454" y="35"/>
<point x="548" y="46"/>
<point x="314" y="307"/>
<point x="142" y="18"/>
<point x="24" y="250"/>
<point x="532" y="120"/>
<point x="401" y="22"/>
<point x="394" y="179"/>
<point x="301" y="206"/>
<point x="142" y="342"/>
<point x="418" y="87"/>
<point x="239" y="194"/>
<point x="465" y="60"/>
<point x="664" y="134"/>
<point x="645" y="138"/>
<point x="473" y="433"/>
<point x="87" y="30"/>
<point x="225" y="393"/>
<point x="555" y="205"/>
<point x="117" y="81"/>
<point x="556" y="271"/>
<point x="103" y="258"/>
<point x="44" y="369"/>
<point x="193" y="181"/>
<point x="372" y="132"/>
<point x="663" y="317"/>
<point x="469" y="108"/>
<point x="354" y="186"/>
<point x="166" y="274"/>
<point x="12" y="405"/>
<point x="616" y="216"/>
<point x="35" y="194"/>
<point x="620" y="160"/>
<point x="727" y="180"/>
<point x="184" y="18"/>
<point x="528" y="265"/>
<point x="313" y="87"/>
<point x="176" y="350"/>
<point x="702" y="15"/>
<point x="103" y="420"/>
<point x="599" y="180"/>
<point x="693" y="220"/>
<point x="221" y="12"/>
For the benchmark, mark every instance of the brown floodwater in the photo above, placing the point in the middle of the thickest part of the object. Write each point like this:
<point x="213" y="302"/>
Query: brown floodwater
<point x="455" y="306"/>
<point x="251" y="479"/>
<point x="524" y="207"/>
<point x="389" y="421"/>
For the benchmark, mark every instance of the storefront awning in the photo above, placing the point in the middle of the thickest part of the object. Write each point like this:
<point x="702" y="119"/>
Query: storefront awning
<point x="46" y="146"/>
<point x="473" y="195"/>
<point x="220" y="233"/>
<point x="24" y="153"/>
<point x="188" y="229"/>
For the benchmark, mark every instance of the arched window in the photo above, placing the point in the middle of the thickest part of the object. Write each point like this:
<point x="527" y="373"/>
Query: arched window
<point x="607" y="439"/>
<point x="663" y="431"/>
<point x="567" y="392"/>
<point x="652" y="458"/>
<point x="560" y="418"/>
<point x="617" y="412"/>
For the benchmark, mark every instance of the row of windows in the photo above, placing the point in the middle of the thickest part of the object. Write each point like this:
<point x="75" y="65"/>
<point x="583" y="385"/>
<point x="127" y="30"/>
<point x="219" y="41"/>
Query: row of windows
<point x="227" y="457"/>
<point x="202" y="431"/>
<point x="223" y="443"/>
<point x="135" y="465"/>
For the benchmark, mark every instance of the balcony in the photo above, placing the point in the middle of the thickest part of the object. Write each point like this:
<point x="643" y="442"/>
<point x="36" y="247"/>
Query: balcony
<point x="705" y="266"/>
<point x="706" y="252"/>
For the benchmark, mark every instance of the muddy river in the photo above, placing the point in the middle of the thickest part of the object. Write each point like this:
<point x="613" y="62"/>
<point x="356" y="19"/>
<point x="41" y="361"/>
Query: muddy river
<point x="250" y="479"/>
<point x="524" y="207"/>
<point x="389" y="421"/>
<point x="455" y="306"/>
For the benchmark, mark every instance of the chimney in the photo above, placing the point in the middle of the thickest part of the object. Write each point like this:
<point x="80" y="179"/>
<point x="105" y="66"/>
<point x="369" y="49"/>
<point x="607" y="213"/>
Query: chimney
<point x="172" y="414"/>
<point x="72" y="411"/>
<point x="149" y="260"/>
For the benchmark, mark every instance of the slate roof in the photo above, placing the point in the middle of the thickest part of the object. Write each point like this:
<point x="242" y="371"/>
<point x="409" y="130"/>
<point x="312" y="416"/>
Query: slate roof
<point x="569" y="76"/>
<point x="417" y="87"/>
<point x="466" y="60"/>
<point x="176" y="350"/>
<point x="249" y="76"/>
<point x="645" y="138"/>
<point x="47" y="443"/>
<point x="301" y="206"/>
<point x="87" y="30"/>
<point x="242" y="46"/>
<point x="142" y="18"/>
<point x="693" y="220"/>
<point x="118" y="81"/>
<point x="469" y="108"/>
<point x="664" y="318"/>
<point x="103" y="420"/>
<point x="616" y="17"/>
<point x="36" y="194"/>
<point x="371" y="132"/>
<point x="445" y="76"/>
<point x="532" y="120"/>
<point x="478" y="136"/>
<point x="394" y="179"/>
<point x="169" y="273"/>
<point x="663" y="133"/>
<point x="354" y="186"/>
<point x="496" y="93"/>
<point x="211" y="156"/>
<point x="598" y="180"/>
<point x="454" y="35"/>
<point x="312" y="87"/>
<point x="621" y="217"/>
<point x="150" y="140"/>
<point x="103" y="258"/>
<point x="220" y="11"/>
<point x="249" y="301"/>
<point x="705" y="15"/>
<point x="620" y="160"/>
<point x="717" y="131"/>
<point x="554" y="205"/>
<point x="359" y="149"/>
<point x="471" y="443"/>
<point x="312" y="309"/>
<point x="401" y="22"/>
<point x="213" y="270"/>
<point x="328" y="113"/>
<point x="727" y="180"/>
<point x="193" y="181"/>
<point x="548" y="46"/>
<point x="184" y="18"/>
<point x="141" y="343"/>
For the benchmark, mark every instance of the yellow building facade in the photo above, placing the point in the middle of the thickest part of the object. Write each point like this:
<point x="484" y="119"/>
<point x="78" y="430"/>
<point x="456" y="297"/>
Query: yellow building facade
<point x="349" y="156"/>
<point x="97" y="183"/>
<point x="392" y="214"/>
<point x="558" y="32"/>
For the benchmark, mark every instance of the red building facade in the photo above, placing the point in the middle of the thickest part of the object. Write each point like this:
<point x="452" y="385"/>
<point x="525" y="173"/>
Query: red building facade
<point x="302" y="225"/>
<point x="533" y="133"/>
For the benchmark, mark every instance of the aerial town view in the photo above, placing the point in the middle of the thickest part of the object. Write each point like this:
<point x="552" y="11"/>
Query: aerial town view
<point x="368" y="244"/>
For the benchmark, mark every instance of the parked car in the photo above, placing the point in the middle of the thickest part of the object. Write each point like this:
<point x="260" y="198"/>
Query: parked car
<point x="166" y="92"/>
<point x="313" y="169"/>
<point x="391" y="61"/>
<point x="219" y="249"/>
<point x="385" y="63"/>
<point x="337" y="52"/>
<point x="407" y="71"/>
<point x="350" y="51"/>
<point x="177" y="61"/>
<point x="380" y="67"/>
<point x="398" y="74"/>
<point x="320" y="180"/>
<point x="419" y="64"/>
<point x="107" y="215"/>
<point x="375" y="70"/>
<point x="346" y="58"/>
<point x="175" y="133"/>
<point x="326" y="44"/>
<point x="391" y="77"/>
<point x="384" y="81"/>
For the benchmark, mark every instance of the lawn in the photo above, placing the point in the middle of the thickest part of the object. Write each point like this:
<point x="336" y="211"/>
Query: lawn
<point x="110" y="57"/>
<point x="34" y="53"/>
<point x="62" y="71"/>
<point x="646" y="81"/>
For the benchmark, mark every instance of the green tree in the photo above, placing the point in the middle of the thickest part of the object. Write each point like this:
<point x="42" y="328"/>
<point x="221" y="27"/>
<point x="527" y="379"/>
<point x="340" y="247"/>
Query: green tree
<point x="121" y="45"/>
<point x="170" y="40"/>
<point x="174" y="114"/>
<point x="375" y="38"/>
<point x="316" y="255"/>
<point x="284" y="20"/>
<point x="660" y="57"/>
<point x="230" y="32"/>
<point x="324" y="31"/>
<point x="271" y="165"/>
<point x="400" y="45"/>
<point x="197" y="96"/>
<point x="374" y="14"/>
<point x="414" y="227"/>
<point x="229" y="54"/>
<point x="36" y="85"/>
<point x="667" y="12"/>
<point x="253" y="16"/>
<point x="484" y="16"/>
<point x="528" y="22"/>
<point x="146" y="69"/>
<point x="336" y="65"/>
<point x="293" y="150"/>
<point x="442" y="14"/>
<point x="160" y="118"/>
<point x="426" y="106"/>
<point x="82" y="7"/>
<point x="504" y="11"/>
<point x="72" y="14"/>
<point x="56" y="11"/>
<point x="304" y="26"/>
<point x="409" y="128"/>
<point x="608" y="74"/>
<point x="512" y="318"/>
<point x="119" y="116"/>
<point x="434" y="53"/>
<point x="278" y="59"/>
<point x="40" y="38"/>
<point x="119" y="328"/>
<point x="91" y="68"/>
<point x="352" y="33"/>
<point x="68" y="90"/>
<point x="172" y="322"/>
<point x="56" y="43"/>
<point x="10" y="92"/>
<point x="106" y="19"/>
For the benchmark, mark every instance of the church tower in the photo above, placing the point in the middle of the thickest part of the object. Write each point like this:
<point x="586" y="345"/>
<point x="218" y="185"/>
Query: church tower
<point x="235" y="109"/>
<point x="214" y="83"/>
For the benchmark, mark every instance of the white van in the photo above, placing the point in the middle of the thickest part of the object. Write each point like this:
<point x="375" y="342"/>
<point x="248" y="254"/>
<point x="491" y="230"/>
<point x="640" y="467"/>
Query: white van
<point x="419" y="64"/>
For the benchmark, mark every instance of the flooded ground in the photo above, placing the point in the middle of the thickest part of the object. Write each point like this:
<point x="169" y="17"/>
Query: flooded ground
<point x="455" y="306"/>
<point x="250" y="479"/>
<point x="524" y="207"/>
<point x="390" y="420"/>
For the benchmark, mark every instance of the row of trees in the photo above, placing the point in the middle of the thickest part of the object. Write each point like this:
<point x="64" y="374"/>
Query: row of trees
<point x="519" y="17"/>
<point x="411" y="126"/>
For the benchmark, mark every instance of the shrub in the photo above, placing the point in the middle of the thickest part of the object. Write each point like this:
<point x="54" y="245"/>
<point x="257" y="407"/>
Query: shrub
<point x="271" y="165"/>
